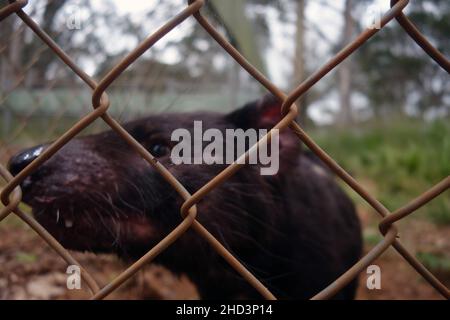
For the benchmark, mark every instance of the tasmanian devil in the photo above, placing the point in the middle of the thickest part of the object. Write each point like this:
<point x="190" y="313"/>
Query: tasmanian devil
<point x="296" y="230"/>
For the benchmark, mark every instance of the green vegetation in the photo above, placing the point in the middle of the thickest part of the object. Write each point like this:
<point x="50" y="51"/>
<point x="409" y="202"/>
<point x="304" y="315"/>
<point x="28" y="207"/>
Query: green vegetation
<point x="372" y="236"/>
<point x="24" y="257"/>
<point x="434" y="262"/>
<point x="397" y="160"/>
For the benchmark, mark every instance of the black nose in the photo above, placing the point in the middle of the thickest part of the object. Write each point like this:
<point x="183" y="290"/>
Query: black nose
<point x="24" y="158"/>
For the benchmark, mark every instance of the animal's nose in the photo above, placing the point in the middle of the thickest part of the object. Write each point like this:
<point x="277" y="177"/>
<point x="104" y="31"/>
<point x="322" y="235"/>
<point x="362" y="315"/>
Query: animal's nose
<point x="18" y="162"/>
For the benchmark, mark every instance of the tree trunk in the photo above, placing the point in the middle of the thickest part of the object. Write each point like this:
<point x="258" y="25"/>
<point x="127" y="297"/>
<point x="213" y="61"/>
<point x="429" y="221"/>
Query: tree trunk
<point x="345" y="69"/>
<point x="7" y="75"/>
<point x="234" y="85"/>
<point x="299" y="58"/>
<point x="38" y="76"/>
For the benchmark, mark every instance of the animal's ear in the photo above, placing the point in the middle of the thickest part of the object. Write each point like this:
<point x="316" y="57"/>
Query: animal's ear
<point x="264" y="113"/>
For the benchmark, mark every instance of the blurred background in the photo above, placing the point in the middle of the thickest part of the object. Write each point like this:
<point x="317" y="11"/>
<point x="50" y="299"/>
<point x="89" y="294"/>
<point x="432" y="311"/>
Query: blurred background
<point x="383" y="114"/>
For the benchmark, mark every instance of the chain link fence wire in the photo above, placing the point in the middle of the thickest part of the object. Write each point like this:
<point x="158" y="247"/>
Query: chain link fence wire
<point x="11" y="194"/>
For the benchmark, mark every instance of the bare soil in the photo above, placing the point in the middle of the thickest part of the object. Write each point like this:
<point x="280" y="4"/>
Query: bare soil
<point x="30" y="269"/>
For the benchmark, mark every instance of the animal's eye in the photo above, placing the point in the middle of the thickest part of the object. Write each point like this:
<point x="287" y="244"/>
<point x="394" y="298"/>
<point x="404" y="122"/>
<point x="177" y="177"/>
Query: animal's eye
<point x="159" y="149"/>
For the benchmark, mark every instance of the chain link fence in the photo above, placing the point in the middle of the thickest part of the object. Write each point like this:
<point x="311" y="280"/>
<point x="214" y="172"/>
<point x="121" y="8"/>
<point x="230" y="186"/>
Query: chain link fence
<point x="11" y="194"/>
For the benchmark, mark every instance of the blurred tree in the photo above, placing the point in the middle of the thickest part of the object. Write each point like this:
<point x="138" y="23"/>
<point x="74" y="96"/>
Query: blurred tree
<point x="233" y="15"/>
<point x="299" y="61"/>
<point x="31" y="62"/>
<point x="390" y="70"/>
<point x="397" y="76"/>
<point x="245" y="25"/>
<point x="36" y="76"/>
<point x="345" y="70"/>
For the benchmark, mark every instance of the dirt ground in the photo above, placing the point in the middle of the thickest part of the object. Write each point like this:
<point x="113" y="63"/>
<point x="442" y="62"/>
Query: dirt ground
<point x="32" y="270"/>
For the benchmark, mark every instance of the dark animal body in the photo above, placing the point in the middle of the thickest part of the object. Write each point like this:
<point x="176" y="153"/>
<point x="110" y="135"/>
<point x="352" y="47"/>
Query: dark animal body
<point x="296" y="231"/>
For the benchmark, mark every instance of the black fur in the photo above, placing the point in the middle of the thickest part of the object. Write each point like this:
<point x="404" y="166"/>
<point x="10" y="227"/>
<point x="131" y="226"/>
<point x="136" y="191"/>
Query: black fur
<point x="296" y="231"/>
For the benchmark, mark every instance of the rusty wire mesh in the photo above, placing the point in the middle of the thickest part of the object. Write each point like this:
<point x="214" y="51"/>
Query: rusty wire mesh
<point x="11" y="194"/>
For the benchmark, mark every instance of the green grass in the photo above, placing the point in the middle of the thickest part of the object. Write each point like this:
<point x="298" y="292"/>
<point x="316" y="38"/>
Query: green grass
<point x="434" y="261"/>
<point x="401" y="159"/>
<point x="24" y="257"/>
<point x="372" y="236"/>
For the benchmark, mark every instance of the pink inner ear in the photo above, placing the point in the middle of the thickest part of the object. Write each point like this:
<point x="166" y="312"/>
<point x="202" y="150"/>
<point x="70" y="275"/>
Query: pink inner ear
<point x="271" y="114"/>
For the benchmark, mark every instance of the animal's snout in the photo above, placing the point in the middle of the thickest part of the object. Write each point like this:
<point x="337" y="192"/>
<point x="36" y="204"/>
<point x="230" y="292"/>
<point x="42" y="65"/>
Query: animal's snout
<point x="18" y="162"/>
